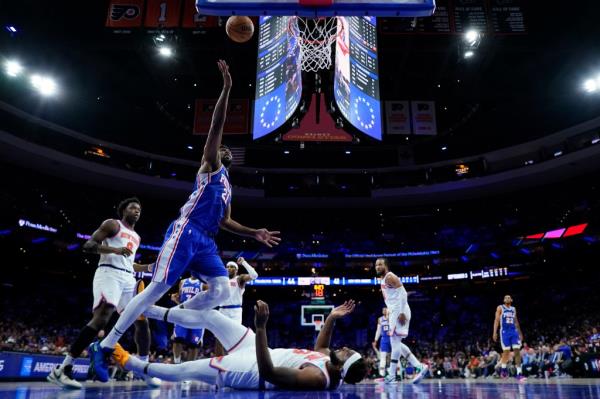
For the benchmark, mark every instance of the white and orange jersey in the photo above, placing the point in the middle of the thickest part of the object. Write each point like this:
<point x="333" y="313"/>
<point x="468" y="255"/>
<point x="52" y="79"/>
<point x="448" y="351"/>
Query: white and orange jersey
<point x="125" y="237"/>
<point x="236" y="293"/>
<point x="396" y="299"/>
<point x="240" y="369"/>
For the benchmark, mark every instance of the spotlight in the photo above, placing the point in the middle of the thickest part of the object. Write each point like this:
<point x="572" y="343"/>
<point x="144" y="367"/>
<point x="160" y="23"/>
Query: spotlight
<point x="472" y="37"/>
<point x="11" y="29"/>
<point x="45" y="85"/>
<point x="13" y="68"/>
<point x="165" y="51"/>
<point x="160" y="38"/>
<point x="444" y="148"/>
<point x="469" y="54"/>
<point x="591" y="85"/>
<point x="348" y="152"/>
<point x="189" y="147"/>
<point x="286" y="152"/>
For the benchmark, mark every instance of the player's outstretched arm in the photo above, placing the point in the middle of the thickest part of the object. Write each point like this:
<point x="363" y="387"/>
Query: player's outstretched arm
<point x="324" y="339"/>
<point x="211" y="160"/>
<point x="107" y="229"/>
<point x="309" y="378"/>
<point x="269" y="238"/>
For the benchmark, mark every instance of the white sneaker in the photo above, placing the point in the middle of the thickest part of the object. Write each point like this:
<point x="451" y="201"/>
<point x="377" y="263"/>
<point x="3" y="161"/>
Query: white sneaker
<point x="152" y="382"/>
<point x="421" y="374"/>
<point x="390" y="379"/>
<point x="186" y="384"/>
<point x="59" y="377"/>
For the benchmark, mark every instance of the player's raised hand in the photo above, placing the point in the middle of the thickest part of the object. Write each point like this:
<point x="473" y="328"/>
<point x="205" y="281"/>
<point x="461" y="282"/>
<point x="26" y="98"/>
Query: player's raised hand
<point x="240" y="261"/>
<point x="224" y="68"/>
<point x="269" y="238"/>
<point x="344" y="309"/>
<point x="261" y="314"/>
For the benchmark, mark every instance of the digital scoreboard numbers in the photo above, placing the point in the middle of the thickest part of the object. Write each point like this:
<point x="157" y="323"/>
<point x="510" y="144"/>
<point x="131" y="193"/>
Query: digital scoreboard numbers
<point x="356" y="84"/>
<point x="279" y="79"/>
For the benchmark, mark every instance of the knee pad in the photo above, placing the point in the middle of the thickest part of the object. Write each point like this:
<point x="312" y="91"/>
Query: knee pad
<point x="218" y="289"/>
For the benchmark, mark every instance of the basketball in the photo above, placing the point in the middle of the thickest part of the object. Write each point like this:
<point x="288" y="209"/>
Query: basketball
<point x="239" y="29"/>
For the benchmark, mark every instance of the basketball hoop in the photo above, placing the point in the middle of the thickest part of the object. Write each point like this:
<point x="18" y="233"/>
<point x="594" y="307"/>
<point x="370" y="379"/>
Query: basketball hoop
<point x="318" y="325"/>
<point x="315" y="37"/>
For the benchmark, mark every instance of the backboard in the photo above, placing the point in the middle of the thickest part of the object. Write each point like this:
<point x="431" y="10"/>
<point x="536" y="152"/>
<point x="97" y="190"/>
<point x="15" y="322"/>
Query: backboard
<point x="318" y="8"/>
<point x="311" y="313"/>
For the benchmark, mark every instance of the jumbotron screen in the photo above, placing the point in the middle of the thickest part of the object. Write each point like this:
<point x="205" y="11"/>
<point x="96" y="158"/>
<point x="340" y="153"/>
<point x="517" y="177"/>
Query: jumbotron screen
<point x="278" y="76"/>
<point x="356" y="84"/>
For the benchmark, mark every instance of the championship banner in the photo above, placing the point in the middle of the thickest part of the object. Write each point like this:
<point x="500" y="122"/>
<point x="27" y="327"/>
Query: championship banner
<point x="191" y="18"/>
<point x="162" y="13"/>
<point x="237" y="116"/>
<point x="397" y="115"/>
<point x="423" y="118"/>
<point x="15" y="365"/>
<point x="125" y="13"/>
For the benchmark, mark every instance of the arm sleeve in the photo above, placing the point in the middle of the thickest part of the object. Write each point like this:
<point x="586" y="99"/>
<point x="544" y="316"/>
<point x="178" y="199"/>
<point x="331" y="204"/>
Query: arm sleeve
<point x="251" y="271"/>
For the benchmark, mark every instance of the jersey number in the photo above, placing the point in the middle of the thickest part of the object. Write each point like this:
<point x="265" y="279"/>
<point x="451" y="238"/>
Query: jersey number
<point x="509" y="320"/>
<point x="226" y="189"/>
<point x="310" y="355"/>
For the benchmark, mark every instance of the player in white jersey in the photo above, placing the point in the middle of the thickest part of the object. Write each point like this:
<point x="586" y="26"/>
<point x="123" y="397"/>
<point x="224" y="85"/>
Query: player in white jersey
<point x="250" y="363"/>
<point x="232" y="307"/>
<point x="114" y="285"/>
<point x="396" y="300"/>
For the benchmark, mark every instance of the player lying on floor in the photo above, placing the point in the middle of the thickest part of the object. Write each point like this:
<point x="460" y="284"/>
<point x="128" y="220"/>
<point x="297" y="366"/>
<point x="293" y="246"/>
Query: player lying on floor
<point x="251" y="364"/>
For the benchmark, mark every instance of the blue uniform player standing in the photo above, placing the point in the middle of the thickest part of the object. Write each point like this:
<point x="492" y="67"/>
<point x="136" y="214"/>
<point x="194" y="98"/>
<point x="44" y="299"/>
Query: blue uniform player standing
<point x="191" y="337"/>
<point x="510" y="335"/>
<point x="385" y="345"/>
<point x="189" y="243"/>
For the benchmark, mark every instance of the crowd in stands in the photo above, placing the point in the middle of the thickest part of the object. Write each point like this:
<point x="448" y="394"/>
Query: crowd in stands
<point x="460" y="346"/>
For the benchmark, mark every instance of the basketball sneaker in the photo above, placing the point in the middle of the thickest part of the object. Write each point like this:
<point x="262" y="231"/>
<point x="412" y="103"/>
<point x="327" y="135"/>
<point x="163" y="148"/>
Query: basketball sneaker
<point x="99" y="361"/>
<point x="390" y="379"/>
<point x="121" y="356"/>
<point x="63" y="377"/>
<point x="421" y="374"/>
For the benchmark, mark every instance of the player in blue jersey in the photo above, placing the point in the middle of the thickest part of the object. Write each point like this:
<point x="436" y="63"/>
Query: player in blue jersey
<point x="385" y="346"/>
<point x="191" y="337"/>
<point x="189" y="241"/>
<point x="510" y="335"/>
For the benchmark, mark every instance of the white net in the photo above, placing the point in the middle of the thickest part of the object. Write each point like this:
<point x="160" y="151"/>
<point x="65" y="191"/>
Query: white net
<point x="315" y="37"/>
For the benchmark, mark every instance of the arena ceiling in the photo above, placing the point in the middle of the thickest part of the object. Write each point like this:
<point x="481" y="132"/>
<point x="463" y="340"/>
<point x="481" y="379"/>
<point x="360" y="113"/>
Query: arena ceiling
<point x="116" y="88"/>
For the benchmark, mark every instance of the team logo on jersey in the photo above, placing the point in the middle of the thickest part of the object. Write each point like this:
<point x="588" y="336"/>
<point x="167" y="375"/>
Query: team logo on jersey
<point x="124" y="11"/>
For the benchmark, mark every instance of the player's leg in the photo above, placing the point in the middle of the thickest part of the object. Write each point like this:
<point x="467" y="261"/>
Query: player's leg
<point x="195" y="337"/>
<point x="106" y="291"/>
<point x="173" y="259"/>
<point x="211" y="269"/>
<point x="504" y="362"/>
<point x="179" y="334"/>
<point x="200" y="370"/>
<point x="516" y="346"/>
<point x="231" y="334"/>
<point x="382" y="362"/>
<point x="142" y="327"/>
<point x="394" y="358"/>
